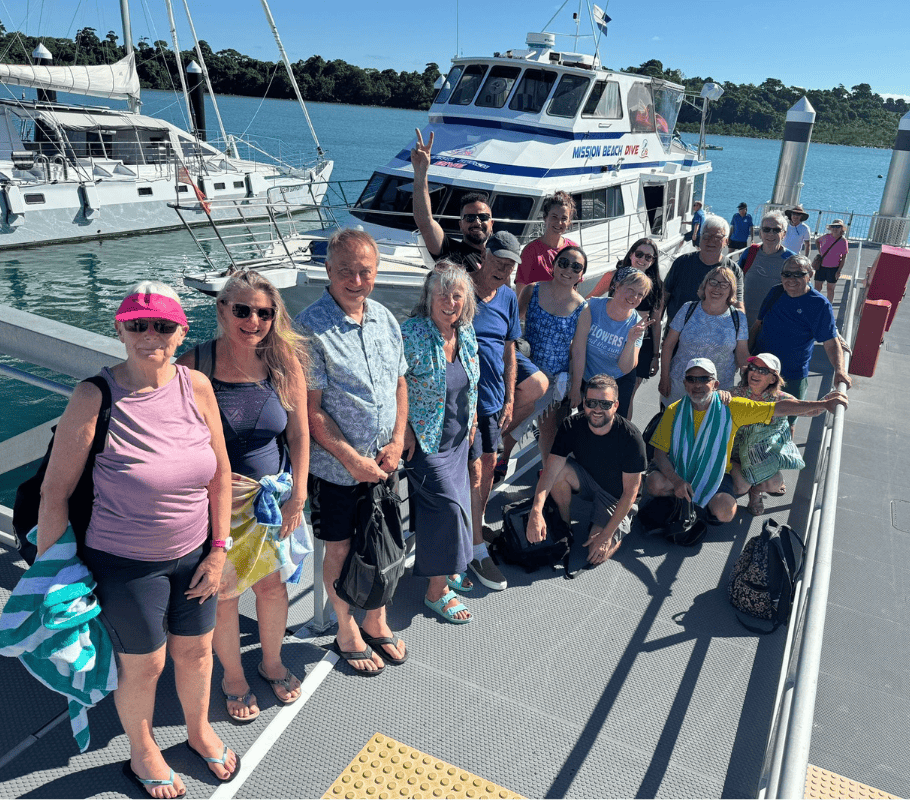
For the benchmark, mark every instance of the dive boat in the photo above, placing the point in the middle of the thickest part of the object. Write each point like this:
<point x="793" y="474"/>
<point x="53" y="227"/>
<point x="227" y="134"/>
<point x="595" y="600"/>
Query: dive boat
<point x="83" y="172"/>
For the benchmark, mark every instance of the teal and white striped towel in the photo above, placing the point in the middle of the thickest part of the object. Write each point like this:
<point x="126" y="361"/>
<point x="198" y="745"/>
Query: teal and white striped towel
<point x="701" y="460"/>
<point x="50" y="623"/>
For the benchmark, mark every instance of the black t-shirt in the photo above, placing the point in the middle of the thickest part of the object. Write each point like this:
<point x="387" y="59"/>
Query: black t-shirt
<point x="606" y="457"/>
<point x="460" y="253"/>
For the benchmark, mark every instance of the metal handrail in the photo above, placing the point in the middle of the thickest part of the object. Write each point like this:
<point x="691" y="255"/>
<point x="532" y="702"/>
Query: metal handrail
<point x="877" y="228"/>
<point x="787" y="750"/>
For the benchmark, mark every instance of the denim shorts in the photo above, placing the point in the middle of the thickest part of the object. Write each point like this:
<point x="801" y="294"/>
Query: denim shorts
<point x="143" y="601"/>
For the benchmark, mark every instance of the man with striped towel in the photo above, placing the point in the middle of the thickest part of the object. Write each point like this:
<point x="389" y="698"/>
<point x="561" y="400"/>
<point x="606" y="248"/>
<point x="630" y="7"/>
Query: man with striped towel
<point x="694" y="439"/>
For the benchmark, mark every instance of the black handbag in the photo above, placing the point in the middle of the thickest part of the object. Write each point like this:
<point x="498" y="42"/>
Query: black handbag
<point x="675" y="518"/>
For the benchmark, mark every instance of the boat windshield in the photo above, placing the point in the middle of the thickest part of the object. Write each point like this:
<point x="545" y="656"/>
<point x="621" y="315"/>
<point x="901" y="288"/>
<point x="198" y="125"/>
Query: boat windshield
<point x="604" y="101"/>
<point x="468" y="85"/>
<point x="497" y="87"/>
<point x="445" y="91"/>
<point x="667" y="102"/>
<point x="641" y="108"/>
<point x="569" y="93"/>
<point x="533" y="90"/>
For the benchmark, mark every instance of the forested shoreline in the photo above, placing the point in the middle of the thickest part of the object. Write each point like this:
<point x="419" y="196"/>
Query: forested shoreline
<point x="855" y="116"/>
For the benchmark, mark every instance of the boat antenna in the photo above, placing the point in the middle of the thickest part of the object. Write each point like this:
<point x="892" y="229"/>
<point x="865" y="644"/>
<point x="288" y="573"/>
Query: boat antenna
<point x="186" y="93"/>
<point x="132" y="102"/>
<point x="205" y="74"/>
<point x="287" y="66"/>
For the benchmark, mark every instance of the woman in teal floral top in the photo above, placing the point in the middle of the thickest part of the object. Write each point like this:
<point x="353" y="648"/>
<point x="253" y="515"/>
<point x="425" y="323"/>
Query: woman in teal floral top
<point x="443" y="369"/>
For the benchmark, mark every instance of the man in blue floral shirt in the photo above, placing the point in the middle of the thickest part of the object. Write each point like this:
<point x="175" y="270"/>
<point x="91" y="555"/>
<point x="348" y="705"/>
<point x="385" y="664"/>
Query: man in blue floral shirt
<point x="358" y="408"/>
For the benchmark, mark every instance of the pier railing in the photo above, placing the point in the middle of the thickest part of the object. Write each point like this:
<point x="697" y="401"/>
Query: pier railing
<point x="872" y="228"/>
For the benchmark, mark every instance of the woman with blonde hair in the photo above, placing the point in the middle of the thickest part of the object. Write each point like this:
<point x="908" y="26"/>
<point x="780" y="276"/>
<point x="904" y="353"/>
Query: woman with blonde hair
<point x="256" y="365"/>
<point x="707" y="328"/>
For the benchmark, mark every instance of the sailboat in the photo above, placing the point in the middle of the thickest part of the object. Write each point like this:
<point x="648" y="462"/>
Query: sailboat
<point x="72" y="172"/>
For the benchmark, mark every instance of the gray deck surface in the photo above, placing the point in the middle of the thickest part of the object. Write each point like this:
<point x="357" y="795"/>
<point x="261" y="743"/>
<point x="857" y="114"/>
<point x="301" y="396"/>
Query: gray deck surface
<point x="632" y="680"/>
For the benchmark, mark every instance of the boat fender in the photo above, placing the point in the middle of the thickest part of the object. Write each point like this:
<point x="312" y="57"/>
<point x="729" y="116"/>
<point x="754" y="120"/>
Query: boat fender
<point x="91" y="202"/>
<point x="256" y="185"/>
<point x="15" y="205"/>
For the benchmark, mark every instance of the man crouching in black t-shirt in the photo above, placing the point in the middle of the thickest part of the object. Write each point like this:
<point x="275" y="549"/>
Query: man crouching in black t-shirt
<point x="609" y="458"/>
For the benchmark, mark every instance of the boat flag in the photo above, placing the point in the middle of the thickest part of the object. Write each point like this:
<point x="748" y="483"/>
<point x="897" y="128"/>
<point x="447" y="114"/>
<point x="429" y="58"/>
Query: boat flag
<point x="600" y="18"/>
<point x="183" y="176"/>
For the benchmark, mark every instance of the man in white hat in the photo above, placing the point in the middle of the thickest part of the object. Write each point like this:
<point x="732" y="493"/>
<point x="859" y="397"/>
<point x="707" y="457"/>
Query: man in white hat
<point x="798" y="237"/>
<point x="694" y="439"/>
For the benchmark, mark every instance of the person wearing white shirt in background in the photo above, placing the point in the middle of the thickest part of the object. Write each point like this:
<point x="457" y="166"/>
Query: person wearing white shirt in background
<point x="798" y="237"/>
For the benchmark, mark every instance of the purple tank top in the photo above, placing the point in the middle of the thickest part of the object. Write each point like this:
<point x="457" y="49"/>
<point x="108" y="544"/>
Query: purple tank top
<point x="151" y="479"/>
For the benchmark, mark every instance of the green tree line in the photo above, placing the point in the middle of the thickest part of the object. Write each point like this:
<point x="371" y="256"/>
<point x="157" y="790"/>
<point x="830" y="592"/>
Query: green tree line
<point x="857" y="116"/>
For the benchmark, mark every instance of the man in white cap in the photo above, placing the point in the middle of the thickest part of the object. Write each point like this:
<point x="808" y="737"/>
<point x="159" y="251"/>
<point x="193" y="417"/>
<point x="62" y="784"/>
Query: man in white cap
<point x="798" y="237"/>
<point x="694" y="439"/>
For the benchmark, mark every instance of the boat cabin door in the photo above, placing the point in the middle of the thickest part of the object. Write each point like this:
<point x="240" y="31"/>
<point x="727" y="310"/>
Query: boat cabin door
<point x="655" y="195"/>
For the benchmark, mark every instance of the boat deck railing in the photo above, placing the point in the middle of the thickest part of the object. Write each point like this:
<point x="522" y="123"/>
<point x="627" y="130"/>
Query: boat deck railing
<point x="872" y="228"/>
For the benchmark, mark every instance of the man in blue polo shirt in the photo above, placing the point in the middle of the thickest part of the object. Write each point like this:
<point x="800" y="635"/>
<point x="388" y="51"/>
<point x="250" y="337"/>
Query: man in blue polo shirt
<point x="740" y="229"/>
<point x="791" y="320"/>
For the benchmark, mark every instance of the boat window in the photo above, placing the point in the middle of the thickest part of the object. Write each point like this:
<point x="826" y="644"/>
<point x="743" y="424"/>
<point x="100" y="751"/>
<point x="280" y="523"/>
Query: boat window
<point x="239" y="185"/>
<point x="597" y="206"/>
<point x="219" y="185"/>
<point x="604" y="101"/>
<point x="569" y="93"/>
<point x="144" y="191"/>
<point x="389" y="201"/>
<point x="468" y="85"/>
<point x="182" y="187"/>
<point x="672" y="188"/>
<point x="497" y="87"/>
<point x="641" y="108"/>
<point x="667" y="102"/>
<point x="33" y="199"/>
<point x="685" y="195"/>
<point x="533" y="90"/>
<point x="446" y="89"/>
<point x="512" y="212"/>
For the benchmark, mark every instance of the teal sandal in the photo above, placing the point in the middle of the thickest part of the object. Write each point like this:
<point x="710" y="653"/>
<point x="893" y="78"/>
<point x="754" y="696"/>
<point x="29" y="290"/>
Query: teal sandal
<point x="148" y="783"/>
<point x="448" y="614"/>
<point x="462" y="584"/>
<point x="222" y="761"/>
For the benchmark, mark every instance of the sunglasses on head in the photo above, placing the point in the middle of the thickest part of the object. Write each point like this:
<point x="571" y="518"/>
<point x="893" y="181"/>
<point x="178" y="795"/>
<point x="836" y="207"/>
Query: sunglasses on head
<point x="476" y="217"/>
<point x="163" y="326"/>
<point x="568" y="263"/>
<point x="605" y="405"/>
<point x="641" y="255"/>
<point x="759" y="370"/>
<point x="768" y="229"/>
<point x="242" y="311"/>
<point x="698" y="378"/>
<point x="788" y="274"/>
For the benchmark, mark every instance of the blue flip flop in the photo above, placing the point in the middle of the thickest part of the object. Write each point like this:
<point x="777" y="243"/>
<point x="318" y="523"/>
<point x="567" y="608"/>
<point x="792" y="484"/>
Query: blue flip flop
<point x="448" y="614"/>
<point x="458" y="584"/>
<point x="222" y="761"/>
<point x="148" y="783"/>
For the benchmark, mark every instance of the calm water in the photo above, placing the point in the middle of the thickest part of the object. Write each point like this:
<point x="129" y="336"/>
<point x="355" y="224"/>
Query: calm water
<point x="83" y="283"/>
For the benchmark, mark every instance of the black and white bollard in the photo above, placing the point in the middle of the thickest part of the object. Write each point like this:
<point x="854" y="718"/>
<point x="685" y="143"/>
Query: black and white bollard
<point x="793" y="150"/>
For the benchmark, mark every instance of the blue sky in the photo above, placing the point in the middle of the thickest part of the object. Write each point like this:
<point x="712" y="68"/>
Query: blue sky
<point x="812" y="44"/>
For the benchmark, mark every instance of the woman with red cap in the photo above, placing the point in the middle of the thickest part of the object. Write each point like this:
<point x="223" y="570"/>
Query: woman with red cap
<point x="162" y="482"/>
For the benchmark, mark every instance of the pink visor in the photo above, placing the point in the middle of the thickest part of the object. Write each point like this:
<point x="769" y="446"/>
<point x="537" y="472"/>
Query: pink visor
<point x="155" y="306"/>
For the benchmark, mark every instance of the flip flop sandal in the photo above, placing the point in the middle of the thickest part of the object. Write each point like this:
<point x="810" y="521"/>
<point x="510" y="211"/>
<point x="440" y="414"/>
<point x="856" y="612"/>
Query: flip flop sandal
<point x="462" y="584"/>
<point x="448" y="614"/>
<point x="379" y="642"/>
<point x="243" y="699"/>
<point x="222" y="761"/>
<point x="780" y="492"/>
<point x="353" y="655"/>
<point x="284" y="683"/>
<point x="148" y="783"/>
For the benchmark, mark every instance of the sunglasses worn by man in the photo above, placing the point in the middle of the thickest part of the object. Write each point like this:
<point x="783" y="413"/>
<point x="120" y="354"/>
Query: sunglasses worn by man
<point x="768" y="229"/>
<point x="698" y="378"/>
<point x="604" y="405"/>
<point x="476" y="217"/>
<point x="788" y="274"/>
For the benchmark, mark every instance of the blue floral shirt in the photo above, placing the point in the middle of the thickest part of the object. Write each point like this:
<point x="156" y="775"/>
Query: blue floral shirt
<point x="357" y="367"/>
<point x="426" y="377"/>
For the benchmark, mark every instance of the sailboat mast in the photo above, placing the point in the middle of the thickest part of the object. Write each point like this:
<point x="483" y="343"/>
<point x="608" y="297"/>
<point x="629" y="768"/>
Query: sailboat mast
<point x="132" y="102"/>
<point x="287" y="66"/>
<point x="205" y="74"/>
<point x="180" y="68"/>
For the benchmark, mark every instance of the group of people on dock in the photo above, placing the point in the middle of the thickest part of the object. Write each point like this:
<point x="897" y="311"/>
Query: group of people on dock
<point x="211" y="459"/>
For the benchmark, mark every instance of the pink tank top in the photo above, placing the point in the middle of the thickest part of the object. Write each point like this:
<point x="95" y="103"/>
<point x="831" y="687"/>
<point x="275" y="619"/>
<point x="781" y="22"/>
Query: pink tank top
<point x="151" y="499"/>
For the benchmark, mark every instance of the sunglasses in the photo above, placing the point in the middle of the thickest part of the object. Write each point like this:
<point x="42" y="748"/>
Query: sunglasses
<point x="476" y="217"/>
<point x="766" y="229"/>
<point x="698" y="378"/>
<point x="759" y="370"/>
<point x="716" y="284"/>
<point x="242" y="311"/>
<point x="836" y="227"/>
<point x="606" y="405"/>
<point x="640" y="255"/>
<point x="163" y="326"/>
<point x="568" y="263"/>
<point x="788" y="274"/>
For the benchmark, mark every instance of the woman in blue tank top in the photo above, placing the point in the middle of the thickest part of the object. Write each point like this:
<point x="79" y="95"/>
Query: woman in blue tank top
<point x="256" y="366"/>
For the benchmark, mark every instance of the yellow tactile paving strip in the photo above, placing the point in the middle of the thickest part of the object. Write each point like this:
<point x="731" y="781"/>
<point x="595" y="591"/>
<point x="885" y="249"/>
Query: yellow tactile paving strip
<point x="388" y="769"/>
<point x="822" y="785"/>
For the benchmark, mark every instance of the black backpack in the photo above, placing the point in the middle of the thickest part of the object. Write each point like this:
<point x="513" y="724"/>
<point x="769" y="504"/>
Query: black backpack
<point x="375" y="562"/>
<point x="28" y="495"/>
<point x="512" y="545"/>
<point x="763" y="581"/>
<point x="676" y="519"/>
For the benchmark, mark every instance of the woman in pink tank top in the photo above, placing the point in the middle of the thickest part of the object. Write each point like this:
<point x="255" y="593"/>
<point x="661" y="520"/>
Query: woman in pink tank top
<point x="162" y="479"/>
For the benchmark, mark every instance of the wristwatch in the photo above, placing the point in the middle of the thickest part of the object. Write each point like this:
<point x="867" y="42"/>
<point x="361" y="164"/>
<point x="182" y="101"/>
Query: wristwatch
<point x="227" y="544"/>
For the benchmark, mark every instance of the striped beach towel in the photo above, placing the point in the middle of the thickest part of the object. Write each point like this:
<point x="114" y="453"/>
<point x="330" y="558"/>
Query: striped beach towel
<point x="701" y="460"/>
<point x="50" y="623"/>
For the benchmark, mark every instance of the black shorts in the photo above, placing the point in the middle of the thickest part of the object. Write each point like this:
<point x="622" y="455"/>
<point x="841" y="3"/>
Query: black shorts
<point x="488" y="436"/>
<point x="827" y="274"/>
<point x="735" y="244"/>
<point x="333" y="507"/>
<point x="143" y="601"/>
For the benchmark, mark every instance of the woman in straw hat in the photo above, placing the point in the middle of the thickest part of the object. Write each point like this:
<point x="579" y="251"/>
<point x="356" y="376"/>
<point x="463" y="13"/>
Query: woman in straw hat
<point x="798" y="237"/>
